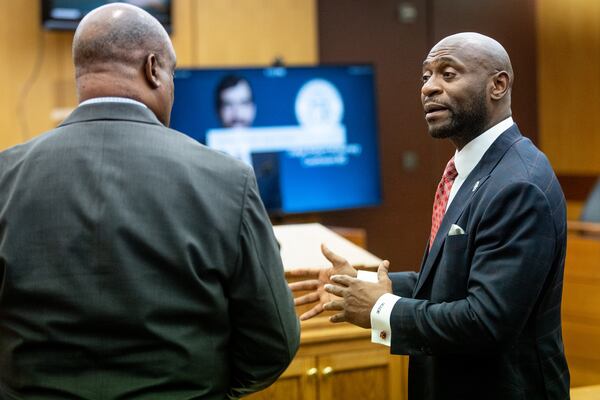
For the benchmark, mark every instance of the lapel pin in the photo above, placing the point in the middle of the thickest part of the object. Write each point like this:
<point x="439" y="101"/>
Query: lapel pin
<point x="475" y="186"/>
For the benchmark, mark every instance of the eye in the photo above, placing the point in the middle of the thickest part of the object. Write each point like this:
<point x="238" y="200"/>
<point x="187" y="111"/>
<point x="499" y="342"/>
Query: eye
<point x="449" y="75"/>
<point x="425" y="78"/>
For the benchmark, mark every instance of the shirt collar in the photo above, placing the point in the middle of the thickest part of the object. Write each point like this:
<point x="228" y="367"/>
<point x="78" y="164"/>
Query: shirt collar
<point x="467" y="158"/>
<point x="97" y="100"/>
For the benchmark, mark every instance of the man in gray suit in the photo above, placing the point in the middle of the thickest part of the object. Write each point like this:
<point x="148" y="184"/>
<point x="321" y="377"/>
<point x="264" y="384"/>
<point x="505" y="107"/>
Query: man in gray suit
<point x="135" y="263"/>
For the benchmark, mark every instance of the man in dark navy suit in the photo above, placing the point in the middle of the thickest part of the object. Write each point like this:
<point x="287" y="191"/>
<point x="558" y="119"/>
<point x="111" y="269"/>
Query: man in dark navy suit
<point x="482" y="318"/>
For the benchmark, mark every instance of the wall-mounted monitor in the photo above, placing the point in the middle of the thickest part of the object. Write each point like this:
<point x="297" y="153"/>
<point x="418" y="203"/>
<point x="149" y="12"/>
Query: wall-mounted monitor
<point x="66" y="14"/>
<point x="310" y="133"/>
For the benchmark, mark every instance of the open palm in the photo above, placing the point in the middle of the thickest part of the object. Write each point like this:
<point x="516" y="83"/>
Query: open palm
<point x="339" y="266"/>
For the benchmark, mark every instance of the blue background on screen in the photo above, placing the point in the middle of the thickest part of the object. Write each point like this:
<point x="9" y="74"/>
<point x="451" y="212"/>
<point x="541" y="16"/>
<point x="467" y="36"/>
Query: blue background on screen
<point x="355" y="183"/>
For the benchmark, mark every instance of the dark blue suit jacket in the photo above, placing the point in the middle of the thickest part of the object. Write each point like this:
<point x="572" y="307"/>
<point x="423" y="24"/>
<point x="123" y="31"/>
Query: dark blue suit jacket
<point x="482" y="318"/>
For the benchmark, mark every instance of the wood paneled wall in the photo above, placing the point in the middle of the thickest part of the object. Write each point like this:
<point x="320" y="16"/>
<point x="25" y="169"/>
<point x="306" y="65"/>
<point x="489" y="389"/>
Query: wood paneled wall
<point x="569" y="84"/>
<point x="254" y="32"/>
<point x="38" y="83"/>
<point x="363" y="31"/>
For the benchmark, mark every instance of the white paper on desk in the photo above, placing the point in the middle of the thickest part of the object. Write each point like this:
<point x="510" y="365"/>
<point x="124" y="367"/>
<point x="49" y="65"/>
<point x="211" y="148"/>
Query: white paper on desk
<point x="301" y="247"/>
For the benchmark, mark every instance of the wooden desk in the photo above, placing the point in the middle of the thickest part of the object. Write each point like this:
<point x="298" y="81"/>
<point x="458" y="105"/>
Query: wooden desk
<point x="338" y="360"/>
<point x="586" y="393"/>
<point x="581" y="305"/>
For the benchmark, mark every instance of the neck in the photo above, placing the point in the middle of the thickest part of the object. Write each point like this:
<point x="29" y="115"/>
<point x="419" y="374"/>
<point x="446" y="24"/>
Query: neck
<point x="461" y="141"/>
<point x="91" y="86"/>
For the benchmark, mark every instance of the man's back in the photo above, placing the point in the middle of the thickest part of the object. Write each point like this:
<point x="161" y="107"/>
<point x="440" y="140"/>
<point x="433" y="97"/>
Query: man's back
<point x="137" y="264"/>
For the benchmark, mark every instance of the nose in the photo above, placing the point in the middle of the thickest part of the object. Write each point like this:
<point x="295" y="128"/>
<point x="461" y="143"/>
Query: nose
<point x="431" y="87"/>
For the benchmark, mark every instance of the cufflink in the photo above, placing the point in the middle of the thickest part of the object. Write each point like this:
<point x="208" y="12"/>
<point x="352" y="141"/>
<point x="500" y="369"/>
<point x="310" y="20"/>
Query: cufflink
<point x="383" y="335"/>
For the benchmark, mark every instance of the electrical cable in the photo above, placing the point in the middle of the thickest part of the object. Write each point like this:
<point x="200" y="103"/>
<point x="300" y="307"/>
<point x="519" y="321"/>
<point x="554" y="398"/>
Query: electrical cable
<point x="29" y="82"/>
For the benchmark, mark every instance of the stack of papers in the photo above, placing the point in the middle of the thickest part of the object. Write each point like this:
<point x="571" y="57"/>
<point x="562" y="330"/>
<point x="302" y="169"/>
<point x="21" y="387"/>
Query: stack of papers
<point x="301" y="247"/>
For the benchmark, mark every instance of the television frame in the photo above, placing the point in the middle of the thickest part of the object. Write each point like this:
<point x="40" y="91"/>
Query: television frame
<point x="373" y="144"/>
<point x="53" y="24"/>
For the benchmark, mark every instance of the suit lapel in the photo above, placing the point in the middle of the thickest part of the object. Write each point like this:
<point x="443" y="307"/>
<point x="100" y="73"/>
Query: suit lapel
<point x="472" y="184"/>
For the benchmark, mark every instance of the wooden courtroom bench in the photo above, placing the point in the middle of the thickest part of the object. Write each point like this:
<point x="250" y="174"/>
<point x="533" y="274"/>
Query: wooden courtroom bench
<point x="581" y="304"/>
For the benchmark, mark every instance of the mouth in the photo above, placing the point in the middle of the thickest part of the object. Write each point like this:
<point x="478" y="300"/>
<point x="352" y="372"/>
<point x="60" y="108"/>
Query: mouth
<point x="434" y="110"/>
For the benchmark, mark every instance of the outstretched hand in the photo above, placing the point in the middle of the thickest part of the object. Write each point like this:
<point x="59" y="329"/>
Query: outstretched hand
<point x="339" y="266"/>
<point x="356" y="297"/>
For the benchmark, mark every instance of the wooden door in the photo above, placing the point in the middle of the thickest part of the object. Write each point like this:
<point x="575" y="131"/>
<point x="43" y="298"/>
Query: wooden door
<point x="362" y="374"/>
<point x="298" y="382"/>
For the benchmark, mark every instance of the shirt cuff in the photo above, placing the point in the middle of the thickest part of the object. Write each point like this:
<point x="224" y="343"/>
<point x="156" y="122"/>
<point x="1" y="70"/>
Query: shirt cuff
<point x="381" y="331"/>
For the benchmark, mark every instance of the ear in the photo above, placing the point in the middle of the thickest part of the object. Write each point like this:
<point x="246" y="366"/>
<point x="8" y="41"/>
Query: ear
<point x="151" y="70"/>
<point x="500" y="85"/>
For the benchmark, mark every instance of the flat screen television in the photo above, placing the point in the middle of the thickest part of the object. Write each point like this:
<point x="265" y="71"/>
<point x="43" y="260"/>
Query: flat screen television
<point x="66" y="14"/>
<point x="310" y="133"/>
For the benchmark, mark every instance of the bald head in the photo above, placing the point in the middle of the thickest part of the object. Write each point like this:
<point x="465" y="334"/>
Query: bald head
<point x="121" y="50"/>
<point x="484" y="50"/>
<point x="467" y="83"/>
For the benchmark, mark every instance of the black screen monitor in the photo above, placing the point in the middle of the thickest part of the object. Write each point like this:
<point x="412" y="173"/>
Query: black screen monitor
<point x="310" y="133"/>
<point x="66" y="14"/>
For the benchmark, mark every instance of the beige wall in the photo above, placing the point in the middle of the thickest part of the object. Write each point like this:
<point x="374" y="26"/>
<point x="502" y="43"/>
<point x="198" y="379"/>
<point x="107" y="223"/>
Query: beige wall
<point x="569" y="84"/>
<point x="34" y="68"/>
<point x="37" y="75"/>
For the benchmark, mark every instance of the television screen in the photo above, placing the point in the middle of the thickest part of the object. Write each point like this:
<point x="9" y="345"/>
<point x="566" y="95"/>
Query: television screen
<point x="310" y="133"/>
<point x="66" y="14"/>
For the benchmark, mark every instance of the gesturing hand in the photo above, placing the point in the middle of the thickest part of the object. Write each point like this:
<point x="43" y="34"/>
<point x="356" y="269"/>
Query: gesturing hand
<point x="339" y="266"/>
<point x="357" y="297"/>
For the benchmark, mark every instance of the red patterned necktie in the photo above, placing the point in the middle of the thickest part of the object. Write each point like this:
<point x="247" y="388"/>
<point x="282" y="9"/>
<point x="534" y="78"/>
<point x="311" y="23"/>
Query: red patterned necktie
<point x="441" y="199"/>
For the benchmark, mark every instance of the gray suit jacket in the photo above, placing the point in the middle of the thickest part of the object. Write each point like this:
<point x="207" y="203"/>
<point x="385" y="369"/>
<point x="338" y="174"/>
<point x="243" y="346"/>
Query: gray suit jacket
<point x="136" y="263"/>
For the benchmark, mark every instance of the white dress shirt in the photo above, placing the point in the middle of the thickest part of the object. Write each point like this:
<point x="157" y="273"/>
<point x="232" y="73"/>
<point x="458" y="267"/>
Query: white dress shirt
<point x="465" y="160"/>
<point x="97" y="100"/>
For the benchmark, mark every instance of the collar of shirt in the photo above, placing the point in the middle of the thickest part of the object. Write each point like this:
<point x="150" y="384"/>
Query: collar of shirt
<point x="469" y="156"/>
<point x="97" y="100"/>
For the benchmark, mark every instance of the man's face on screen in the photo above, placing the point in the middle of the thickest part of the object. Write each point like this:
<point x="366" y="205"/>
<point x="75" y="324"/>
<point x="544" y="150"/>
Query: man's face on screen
<point x="237" y="106"/>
